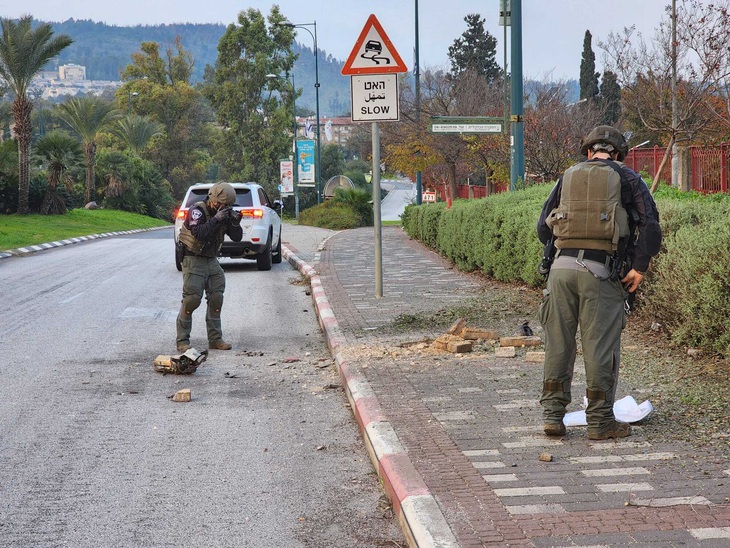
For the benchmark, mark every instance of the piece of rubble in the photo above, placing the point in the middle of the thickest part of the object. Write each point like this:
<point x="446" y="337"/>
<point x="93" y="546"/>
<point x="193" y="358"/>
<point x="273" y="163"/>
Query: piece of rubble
<point x="183" y="395"/>
<point x="535" y="357"/>
<point x="457" y="327"/>
<point x="505" y="352"/>
<point x="545" y="457"/>
<point x="457" y="347"/>
<point x="472" y="334"/>
<point x="520" y="341"/>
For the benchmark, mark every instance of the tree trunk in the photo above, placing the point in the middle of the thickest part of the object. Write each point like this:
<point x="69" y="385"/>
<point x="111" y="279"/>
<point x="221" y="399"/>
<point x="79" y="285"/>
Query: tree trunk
<point x="90" y="152"/>
<point x="23" y="128"/>
<point x="655" y="182"/>
<point x="453" y="193"/>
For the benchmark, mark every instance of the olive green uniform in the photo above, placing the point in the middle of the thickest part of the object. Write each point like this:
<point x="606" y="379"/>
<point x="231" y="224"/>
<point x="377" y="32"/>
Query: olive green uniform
<point x="202" y="235"/>
<point x="575" y="298"/>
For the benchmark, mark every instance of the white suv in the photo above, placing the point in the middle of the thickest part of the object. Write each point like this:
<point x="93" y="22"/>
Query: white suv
<point x="259" y="220"/>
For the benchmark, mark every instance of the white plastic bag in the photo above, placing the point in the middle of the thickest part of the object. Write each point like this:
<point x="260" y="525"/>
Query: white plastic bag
<point x="626" y="410"/>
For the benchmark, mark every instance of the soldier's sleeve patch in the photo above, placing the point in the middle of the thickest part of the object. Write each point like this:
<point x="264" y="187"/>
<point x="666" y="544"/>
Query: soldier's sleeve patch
<point x="195" y="216"/>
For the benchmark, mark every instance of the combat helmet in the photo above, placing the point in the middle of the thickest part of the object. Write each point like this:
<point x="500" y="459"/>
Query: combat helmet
<point x="223" y="193"/>
<point x="610" y="139"/>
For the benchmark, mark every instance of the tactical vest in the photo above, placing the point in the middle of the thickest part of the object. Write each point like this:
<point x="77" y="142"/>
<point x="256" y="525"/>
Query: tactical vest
<point x="590" y="214"/>
<point x="199" y="247"/>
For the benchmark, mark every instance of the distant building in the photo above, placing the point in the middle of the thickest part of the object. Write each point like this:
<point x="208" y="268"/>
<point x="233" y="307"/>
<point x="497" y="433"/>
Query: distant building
<point x="72" y="72"/>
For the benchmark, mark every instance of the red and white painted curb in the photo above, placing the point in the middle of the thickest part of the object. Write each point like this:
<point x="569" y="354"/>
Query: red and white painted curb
<point x="420" y="517"/>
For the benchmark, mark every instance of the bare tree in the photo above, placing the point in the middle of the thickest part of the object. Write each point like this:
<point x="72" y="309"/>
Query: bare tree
<point x="644" y="71"/>
<point x="553" y="129"/>
<point x="704" y="29"/>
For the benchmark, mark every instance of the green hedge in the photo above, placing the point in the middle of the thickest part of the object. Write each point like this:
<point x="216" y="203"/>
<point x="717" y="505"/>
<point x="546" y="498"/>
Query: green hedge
<point x="687" y="287"/>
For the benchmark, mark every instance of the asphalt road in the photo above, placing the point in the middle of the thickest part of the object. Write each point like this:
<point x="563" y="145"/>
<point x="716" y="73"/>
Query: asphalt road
<point x="400" y="194"/>
<point x="94" y="453"/>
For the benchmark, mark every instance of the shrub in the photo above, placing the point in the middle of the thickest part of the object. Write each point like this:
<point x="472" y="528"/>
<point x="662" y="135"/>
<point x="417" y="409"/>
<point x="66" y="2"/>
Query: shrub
<point x="690" y="290"/>
<point x="332" y="215"/>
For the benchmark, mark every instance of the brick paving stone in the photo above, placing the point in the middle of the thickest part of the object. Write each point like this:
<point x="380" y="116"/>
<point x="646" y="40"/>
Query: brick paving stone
<point x="443" y="406"/>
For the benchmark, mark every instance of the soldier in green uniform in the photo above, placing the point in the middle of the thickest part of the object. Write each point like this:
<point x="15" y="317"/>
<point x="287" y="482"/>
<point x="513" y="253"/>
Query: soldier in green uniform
<point x="604" y="225"/>
<point x="202" y="235"/>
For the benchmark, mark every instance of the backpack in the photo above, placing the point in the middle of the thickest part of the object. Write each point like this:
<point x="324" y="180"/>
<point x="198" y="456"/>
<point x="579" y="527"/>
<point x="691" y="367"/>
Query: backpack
<point x="591" y="214"/>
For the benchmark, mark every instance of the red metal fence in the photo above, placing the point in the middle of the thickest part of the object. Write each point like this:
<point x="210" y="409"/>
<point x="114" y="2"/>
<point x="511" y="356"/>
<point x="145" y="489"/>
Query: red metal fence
<point x="710" y="169"/>
<point x="709" y="165"/>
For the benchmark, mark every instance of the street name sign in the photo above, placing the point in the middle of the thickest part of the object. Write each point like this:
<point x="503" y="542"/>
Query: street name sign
<point x="466" y="124"/>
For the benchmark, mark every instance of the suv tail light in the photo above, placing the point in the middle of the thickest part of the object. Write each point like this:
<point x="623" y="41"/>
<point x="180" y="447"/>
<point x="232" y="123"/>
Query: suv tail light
<point x="181" y="214"/>
<point x="255" y="213"/>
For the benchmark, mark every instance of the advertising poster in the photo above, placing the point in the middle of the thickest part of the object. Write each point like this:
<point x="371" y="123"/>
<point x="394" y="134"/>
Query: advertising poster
<point x="305" y="161"/>
<point x="286" y="176"/>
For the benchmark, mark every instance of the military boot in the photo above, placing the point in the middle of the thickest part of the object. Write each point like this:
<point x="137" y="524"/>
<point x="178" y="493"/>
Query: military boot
<point x="554" y="428"/>
<point x="617" y="429"/>
<point x="184" y="326"/>
<point x="220" y="344"/>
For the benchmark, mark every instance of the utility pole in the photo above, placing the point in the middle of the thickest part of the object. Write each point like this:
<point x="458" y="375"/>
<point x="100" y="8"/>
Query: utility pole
<point x="675" y="113"/>
<point x="517" y="128"/>
<point x="419" y="182"/>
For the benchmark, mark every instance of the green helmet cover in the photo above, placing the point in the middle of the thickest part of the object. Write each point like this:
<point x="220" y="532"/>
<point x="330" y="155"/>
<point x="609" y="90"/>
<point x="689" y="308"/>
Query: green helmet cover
<point x="606" y="135"/>
<point x="223" y="193"/>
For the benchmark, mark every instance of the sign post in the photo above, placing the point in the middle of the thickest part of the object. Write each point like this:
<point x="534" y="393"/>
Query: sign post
<point x="373" y="66"/>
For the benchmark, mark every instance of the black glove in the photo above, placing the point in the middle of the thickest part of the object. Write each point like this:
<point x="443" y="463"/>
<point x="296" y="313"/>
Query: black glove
<point x="223" y="213"/>
<point x="235" y="217"/>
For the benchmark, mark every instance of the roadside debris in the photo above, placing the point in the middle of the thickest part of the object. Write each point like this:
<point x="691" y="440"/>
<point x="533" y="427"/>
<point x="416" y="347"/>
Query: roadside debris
<point x="180" y="364"/>
<point x="459" y="339"/>
<point x="184" y="395"/>
<point x="546" y="457"/>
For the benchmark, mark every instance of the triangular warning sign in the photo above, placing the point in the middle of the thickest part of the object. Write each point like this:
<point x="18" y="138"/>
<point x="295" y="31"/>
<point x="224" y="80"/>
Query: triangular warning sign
<point x="373" y="52"/>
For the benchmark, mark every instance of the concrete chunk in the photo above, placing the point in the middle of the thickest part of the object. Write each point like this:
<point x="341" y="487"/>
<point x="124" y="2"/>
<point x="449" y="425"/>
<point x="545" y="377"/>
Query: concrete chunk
<point x="457" y="327"/>
<point x="472" y="334"/>
<point x="183" y="395"/>
<point x="520" y="341"/>
<point x="457" y="347"/>
<point x="535" y="357"/>
<point x="505" y="352"/>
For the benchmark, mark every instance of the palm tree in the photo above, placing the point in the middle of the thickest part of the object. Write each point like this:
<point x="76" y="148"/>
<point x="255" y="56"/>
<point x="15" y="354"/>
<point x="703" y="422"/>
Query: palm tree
<point x="23" y="53"/>
<point x="88" y="116"/>
<point x="136" y="131"/>
<point x="61" y="152"/>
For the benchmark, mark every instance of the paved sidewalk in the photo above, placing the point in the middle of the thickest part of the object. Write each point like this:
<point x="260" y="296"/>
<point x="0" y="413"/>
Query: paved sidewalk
<point x="456" y="438"/>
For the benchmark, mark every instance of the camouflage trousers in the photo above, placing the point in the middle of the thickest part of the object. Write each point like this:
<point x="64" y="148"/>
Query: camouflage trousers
<point x="201" y="275"/>
<point x="575" y="298"/>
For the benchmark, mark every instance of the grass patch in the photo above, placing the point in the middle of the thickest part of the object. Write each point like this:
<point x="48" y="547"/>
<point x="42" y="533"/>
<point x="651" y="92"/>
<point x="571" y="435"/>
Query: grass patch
<point x="24" y="230"/>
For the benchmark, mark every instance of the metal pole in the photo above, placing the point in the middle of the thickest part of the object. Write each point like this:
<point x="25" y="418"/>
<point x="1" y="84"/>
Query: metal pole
<point x="517" y="128"/>
<point x="675" y="115"/>
<point x="419" y="182"/>
<point x="376" y="212"/>
<point x="295" y="164"/>
<point x="318" y="167"/>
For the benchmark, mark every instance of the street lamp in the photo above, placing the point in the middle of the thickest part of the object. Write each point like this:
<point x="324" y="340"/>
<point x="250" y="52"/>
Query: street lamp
<point x="129" y="105"/>
<point x="304" y="26"/>
<point x="294" y="146"/>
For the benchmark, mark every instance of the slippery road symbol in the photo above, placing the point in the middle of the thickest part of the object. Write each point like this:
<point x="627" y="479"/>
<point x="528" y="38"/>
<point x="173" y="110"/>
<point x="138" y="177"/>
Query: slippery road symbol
<point x="373" y="51"/>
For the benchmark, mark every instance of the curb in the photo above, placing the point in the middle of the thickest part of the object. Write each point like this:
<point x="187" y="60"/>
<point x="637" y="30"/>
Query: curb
<point x="419" y="515"/>
<point x="22" y="251"/>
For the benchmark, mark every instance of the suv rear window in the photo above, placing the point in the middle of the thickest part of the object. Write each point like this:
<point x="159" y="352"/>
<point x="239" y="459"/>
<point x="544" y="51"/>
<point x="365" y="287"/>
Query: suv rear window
<point x="243" y="197"/>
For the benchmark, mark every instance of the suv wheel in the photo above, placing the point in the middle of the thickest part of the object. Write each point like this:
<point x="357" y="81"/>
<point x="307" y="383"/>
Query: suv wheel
<point x="277" y="253"/>
<point x="263" y="259"/>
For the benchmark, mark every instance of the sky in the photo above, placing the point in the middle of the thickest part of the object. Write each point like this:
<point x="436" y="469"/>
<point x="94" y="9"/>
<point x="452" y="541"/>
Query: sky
<point x="552" y="31"/>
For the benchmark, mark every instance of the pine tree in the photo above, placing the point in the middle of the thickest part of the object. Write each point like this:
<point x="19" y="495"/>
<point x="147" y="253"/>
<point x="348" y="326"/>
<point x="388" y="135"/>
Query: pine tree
<point x="475" y="50"/>
<point x="611" y="98"/>
<point x="588" y="74"/>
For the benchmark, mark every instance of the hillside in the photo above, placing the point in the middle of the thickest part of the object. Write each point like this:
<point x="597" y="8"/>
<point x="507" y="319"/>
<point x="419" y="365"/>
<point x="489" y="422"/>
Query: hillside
<point x="105" y="50"/>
